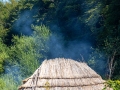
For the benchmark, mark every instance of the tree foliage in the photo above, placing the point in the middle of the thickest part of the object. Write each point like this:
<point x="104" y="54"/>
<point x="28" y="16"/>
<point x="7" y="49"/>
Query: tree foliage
<point x="115" y="85"/>
<point x="108" y="37"/>
<point x="3" y="55"/>
<point x="7" y="82"/>
<point x="27" y="51"/>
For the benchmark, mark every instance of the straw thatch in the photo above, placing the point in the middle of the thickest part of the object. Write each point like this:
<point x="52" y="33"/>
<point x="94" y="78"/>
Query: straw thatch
<point x="63" y="74"/>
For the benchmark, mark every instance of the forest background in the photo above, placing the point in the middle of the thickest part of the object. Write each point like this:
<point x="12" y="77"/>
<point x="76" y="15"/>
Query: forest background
<point x="34" y="30"/>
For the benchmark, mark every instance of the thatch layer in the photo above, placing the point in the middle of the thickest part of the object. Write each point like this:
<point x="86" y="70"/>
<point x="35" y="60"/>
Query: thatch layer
<point x="92" y="87"/>
<point x="63" y="74"/>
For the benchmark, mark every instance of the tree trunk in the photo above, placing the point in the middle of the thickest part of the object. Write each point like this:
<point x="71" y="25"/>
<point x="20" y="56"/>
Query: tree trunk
<point x="111" y="65"/>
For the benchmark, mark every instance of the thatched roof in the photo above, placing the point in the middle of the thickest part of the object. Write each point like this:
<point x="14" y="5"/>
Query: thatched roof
<point x="63" y="74"/>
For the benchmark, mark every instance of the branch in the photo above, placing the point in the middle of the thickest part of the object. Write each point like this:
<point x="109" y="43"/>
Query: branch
<point x="82" y="57"/>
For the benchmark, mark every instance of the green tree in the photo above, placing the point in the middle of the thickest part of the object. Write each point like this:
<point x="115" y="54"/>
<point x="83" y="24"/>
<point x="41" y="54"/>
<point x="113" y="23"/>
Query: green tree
<point x="3" y="55"/>
<point x="7" y="11"/>
<point x="27" y="51"/>
<point x="108" y="39"/>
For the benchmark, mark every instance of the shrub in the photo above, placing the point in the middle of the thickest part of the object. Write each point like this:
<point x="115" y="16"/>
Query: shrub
<point x="7" y="82"/>
<point x="113" y="84"/>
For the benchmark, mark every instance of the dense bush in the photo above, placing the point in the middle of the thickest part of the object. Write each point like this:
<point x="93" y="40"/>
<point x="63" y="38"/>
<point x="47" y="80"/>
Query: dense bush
<point x="113" y="84"/>
<point x="3" y="55"/>
<point x="7" y="82"/>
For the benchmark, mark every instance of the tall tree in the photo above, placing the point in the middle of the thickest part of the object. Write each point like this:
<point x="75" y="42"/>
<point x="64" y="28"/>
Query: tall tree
<point x="109" y="36"/>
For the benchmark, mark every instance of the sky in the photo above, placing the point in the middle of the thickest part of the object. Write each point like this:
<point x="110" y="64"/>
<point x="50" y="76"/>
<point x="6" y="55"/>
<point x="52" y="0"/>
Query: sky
<point x="4" y="0"/>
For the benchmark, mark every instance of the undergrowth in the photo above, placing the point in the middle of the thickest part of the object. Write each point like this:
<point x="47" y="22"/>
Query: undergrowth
<point x="7" y="82"/>
<point x="115" y="85"/>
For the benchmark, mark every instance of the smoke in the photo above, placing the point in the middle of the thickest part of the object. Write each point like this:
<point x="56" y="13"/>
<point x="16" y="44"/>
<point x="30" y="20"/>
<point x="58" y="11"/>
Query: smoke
<point x="58" y="47"/>
<point x="23" y="24"/>
<point x="14" y="72"/>
<point x="71" y="34"/>
<point x="73" y="37"/>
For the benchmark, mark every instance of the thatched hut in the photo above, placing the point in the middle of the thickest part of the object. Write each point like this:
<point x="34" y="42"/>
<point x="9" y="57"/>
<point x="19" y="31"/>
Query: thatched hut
<point x="63" y="74"/>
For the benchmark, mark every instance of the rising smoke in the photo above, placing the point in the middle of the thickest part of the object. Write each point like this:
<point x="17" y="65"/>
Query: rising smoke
<point x="71" y="33"/>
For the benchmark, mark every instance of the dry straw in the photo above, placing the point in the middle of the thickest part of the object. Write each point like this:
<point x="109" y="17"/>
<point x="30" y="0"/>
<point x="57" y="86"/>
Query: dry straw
<point x="63" y="74"/>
